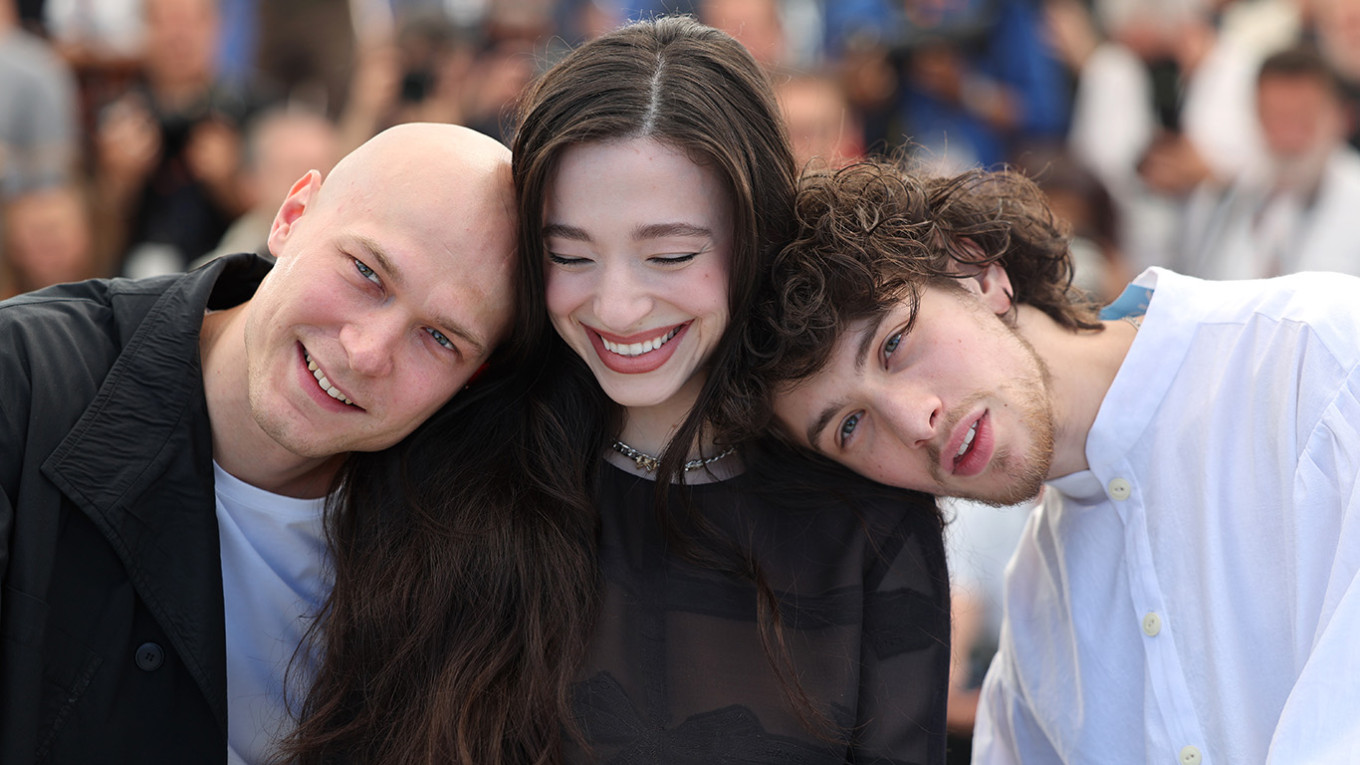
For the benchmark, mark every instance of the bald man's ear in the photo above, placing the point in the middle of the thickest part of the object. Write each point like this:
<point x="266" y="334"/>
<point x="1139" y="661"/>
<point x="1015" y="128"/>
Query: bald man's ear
<point x="299" y="198"/>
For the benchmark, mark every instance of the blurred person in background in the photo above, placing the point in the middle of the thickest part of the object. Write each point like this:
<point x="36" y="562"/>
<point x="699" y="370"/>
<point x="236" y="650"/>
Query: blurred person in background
<point x="755" y="24"/>
<point x="1335" y="26"/>
<point x="38" y="119"/>
<point x="972" y="81"/>
<point x="89" y="30"/>
<point x="39" y="144"/>
<point x="1164" y="104"/>
<point x="281" y="145"/>
<point x="1296" y="210"/>
<point x="304" y="52"/>
<point x="823" y="128"/>
<point x="168" y="151"/>
<point x="47" y="240"/>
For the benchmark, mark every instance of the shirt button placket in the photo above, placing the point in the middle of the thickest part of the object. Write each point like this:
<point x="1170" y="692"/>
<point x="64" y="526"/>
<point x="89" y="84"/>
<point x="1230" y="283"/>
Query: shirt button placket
<point x="1152" y="624"/>
<point x="1119" y="489"/>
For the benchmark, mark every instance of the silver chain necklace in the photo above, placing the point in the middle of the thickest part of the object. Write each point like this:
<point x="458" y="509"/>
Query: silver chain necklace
<point x="649" y="463"/>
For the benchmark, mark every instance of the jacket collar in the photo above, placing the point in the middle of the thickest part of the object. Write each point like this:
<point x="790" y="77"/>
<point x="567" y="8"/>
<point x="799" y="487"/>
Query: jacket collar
<point x="139" y="464"/>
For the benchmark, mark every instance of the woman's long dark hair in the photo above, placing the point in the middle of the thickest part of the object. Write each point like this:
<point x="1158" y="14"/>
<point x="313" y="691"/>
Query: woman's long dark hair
<point x="465" y="577"/>
<point x="697" y="90"/>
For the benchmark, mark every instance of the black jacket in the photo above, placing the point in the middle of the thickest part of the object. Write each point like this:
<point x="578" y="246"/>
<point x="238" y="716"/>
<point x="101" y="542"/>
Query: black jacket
<point x="111" y="623"/>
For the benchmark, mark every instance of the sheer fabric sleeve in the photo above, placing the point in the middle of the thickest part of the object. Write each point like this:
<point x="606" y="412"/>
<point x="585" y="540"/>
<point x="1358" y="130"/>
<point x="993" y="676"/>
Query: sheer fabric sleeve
<point x="904" y="644"/>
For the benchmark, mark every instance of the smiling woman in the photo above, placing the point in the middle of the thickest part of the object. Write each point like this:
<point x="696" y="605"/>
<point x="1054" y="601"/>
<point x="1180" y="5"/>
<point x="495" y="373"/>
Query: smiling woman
<point x="568" y="562"/>
<point x="756" y="606"/>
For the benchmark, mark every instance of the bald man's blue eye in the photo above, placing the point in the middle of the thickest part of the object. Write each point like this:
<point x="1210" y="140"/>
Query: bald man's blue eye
<point x="366" y="272"/>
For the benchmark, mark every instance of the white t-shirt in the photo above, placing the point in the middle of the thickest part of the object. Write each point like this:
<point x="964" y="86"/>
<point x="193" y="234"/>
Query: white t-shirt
<point x="1195" y="596"/>
<point x="274" y="577"/>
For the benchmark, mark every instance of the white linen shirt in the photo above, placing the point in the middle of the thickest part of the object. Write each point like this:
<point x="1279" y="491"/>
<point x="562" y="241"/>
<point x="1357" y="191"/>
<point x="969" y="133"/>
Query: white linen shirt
<point x="1193" y="598"/>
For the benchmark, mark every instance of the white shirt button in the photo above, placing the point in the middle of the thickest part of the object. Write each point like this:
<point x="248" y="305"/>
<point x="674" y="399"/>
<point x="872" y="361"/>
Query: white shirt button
<point x="1190" y="756"/>
<point x="1120" y="489"/>
<point x="1152" y="624"/>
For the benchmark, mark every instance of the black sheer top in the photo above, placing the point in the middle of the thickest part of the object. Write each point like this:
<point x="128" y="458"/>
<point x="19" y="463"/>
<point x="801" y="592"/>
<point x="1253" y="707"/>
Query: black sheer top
<point x="676" y="671"/>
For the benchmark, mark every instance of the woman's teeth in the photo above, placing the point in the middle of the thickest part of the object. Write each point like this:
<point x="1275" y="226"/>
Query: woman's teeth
<point x="637" y="349"/>
<point x="967" y="440"/>
<point x="325" y="384"/>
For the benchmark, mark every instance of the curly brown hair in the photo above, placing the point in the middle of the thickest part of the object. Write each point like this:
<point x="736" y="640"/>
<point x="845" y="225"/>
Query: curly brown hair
<point x="871" y="235"/>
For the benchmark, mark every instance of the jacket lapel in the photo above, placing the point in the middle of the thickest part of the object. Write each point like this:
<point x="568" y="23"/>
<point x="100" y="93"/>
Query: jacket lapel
<point x="139" y="464"/>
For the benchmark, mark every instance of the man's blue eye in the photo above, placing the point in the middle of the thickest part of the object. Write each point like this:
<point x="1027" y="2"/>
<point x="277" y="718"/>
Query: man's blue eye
<point x="366" y="272"/>
<point x="848" y="426"/>
<point x="891" y="344"/>
<point x="441" y="338"/>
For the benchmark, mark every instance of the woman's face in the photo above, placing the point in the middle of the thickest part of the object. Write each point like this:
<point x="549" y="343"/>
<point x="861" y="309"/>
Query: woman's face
<point x="638" y="241"/>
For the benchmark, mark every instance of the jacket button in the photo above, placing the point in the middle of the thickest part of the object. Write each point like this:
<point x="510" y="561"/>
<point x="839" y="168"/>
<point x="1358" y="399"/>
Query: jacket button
<point x="150" y="657"/>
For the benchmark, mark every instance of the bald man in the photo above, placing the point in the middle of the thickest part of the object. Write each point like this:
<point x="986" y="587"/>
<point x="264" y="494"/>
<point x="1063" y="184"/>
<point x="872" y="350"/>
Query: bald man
<point x="166" y="447"/>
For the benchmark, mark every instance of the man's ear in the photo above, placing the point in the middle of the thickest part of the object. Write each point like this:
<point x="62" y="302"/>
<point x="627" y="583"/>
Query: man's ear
<point x="299" y="198"/>
<point x="989" y="282"/>
<point x="994" y="286"/>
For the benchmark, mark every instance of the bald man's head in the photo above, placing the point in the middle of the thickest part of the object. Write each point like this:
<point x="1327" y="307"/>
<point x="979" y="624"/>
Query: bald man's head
<point x="394" y="283"/>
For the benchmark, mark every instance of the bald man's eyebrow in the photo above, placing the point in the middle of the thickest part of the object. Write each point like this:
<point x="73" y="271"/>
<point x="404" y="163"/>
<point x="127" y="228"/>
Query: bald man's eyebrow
<point x="444" y="322"/>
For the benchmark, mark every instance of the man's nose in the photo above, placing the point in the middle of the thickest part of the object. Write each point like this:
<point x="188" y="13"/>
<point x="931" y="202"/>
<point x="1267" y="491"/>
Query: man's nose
<point x="912" y="411"/>
<point x="371" y="342"/>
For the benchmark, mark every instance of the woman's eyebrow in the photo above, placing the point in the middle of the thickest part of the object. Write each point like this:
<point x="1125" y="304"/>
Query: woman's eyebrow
<point x="663" y="230"/>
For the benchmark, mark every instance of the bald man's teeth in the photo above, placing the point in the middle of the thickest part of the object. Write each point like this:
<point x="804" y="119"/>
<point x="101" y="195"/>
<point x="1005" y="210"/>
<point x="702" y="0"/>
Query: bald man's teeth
<point x="325" y="384"/>
<point x="637" y="349"/>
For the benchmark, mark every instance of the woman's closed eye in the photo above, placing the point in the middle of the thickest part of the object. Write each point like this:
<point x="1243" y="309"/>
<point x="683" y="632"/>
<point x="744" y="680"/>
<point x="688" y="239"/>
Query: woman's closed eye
<point x="566" y="260"/>
<point x="673" y="260"/>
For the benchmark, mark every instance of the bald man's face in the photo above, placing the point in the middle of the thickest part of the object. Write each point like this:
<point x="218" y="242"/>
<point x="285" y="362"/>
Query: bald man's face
<point x="392" y="287"/>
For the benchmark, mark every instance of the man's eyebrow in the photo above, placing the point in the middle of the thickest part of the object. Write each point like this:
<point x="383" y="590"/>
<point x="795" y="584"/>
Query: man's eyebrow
<point x="814" y="432"/>
<point x="663" y="230"/>
<point x="376" y="253"/>
<point x="867" y="341"/>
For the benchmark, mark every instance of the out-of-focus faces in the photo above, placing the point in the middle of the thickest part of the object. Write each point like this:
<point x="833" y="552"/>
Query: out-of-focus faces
<point x="181" y="41"/>
<point x="638" y="241"/>
<point x="47" y="237"/>
<point x="822" y="127"/>
<point x="1300" y="116"/>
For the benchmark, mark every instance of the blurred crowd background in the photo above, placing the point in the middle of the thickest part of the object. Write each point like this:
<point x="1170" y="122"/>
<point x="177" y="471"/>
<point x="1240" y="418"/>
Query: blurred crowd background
<point x="1216" y="137"/>
<point x="1212" y="136"/>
